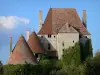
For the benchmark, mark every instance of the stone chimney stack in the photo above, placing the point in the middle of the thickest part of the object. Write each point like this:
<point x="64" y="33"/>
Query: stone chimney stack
<point x="10" y="45"/>
<point x="27" y="34"/>
<point x="40" y="20"/>
<point x="84" y="20"/>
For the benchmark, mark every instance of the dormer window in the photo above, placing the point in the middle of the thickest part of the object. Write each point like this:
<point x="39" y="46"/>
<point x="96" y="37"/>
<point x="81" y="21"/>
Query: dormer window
<point x="49" y="35"/>
<point x="69" y="25"/>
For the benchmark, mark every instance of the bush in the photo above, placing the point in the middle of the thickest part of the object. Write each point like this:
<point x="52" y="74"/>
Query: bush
<point x="86" y="50"/>
<point x="72" y="55"/>
<point x="26" y="69"/>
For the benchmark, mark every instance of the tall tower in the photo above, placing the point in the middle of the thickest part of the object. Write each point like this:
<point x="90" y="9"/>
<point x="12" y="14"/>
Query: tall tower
<point x="40" y="20"/>
<point x="10" y="45"/>
<point x="27" y="34"/>
<point x="84" y="19"/>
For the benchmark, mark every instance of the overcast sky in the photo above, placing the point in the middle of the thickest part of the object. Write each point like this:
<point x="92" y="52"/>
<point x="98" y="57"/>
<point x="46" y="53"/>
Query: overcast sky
<point x="17" y="16"/>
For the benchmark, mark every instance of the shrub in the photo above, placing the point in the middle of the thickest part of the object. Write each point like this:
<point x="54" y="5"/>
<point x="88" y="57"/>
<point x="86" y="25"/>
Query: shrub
<point x="72" y="55"/>
<point x="26" y="69"/>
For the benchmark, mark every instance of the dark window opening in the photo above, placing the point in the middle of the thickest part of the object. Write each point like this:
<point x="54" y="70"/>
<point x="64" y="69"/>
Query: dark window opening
<point x="63" y="49"/>
<point x="72" y="47"/>
<point x="48" y="46"/>
<point x="36" y="55"/>
<point x="73" y="41"/>
<point x="85" y="36"/>
<point x="69" y="25"/>
<point x="41" y="36"/>
<point x="63" y="44"/>
<point x="80" y="36"/>
<point x="49" y="36"/>
<point x="54" y="36"/>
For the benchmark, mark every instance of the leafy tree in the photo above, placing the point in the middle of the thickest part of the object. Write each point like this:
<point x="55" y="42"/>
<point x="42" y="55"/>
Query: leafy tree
<point x="1" y="68"/>
<point x="72" y="55"/>
<point x="86" y="50"/>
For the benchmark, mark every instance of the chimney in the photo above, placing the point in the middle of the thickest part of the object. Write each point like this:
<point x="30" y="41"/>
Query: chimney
<point x="27" y="34"/>
<point x="84" y="19"/>
<point x="10" y="45"/>
<point x="40" y="20"/>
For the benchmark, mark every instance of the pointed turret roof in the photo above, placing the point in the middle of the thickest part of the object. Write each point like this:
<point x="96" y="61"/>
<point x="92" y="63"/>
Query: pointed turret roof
<point x="21" y="53"/>
<point x="34" y="43"/>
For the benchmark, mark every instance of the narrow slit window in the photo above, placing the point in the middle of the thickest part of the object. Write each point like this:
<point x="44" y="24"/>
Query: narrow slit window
<point x="41" y="36"/>
<point x="63" y="44"/>
<point x="49" y="47"/>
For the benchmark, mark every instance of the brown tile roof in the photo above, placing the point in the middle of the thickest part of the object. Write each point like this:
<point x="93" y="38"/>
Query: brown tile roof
<point x="34" y="43"/>
<point x="57" y="17"/>
<point x="21" y="53"/>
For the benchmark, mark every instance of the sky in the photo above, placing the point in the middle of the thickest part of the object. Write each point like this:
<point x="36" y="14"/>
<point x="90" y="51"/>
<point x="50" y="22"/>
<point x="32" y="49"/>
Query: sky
<point x="17" y="16"/>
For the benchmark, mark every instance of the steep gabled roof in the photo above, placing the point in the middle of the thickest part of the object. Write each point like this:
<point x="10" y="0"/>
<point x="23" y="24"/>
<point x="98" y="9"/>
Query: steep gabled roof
<point x="57" y="17"/>
<point x="21" y="53"/>
<point x="34" y="43"/>
<point x="66" y="28"/>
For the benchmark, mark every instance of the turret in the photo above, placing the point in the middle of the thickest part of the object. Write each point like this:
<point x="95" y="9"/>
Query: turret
<point x="10" y="45"/>
<point x="84" y="19"/>
<point x="27" y="34"/>
<point x="40" y="20"/>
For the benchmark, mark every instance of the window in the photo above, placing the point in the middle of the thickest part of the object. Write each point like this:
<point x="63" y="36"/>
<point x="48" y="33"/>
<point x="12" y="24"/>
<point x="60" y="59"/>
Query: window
<point x="41" y="36"/>
<point x="49" y="36"/>
<point x="63" y="44"/>
<point x="54" y="36"/>
<point x="63" y="49"/>
<point x="69" y="25"/>
<point x="80" y="36"/>
<point x="85" y="36"/>
<point x="48" y="46"/>
<point x="73" y="41"/>
<point x="36" y="55"/>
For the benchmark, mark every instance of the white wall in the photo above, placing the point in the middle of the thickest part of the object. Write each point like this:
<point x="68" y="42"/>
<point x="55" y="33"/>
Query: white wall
<point x="68" y="39"/>
<point x="57" y="42"/>
<point x="45" y="40"/>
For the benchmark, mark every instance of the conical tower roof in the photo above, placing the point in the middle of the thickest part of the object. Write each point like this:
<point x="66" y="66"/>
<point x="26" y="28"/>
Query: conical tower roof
<point x="34" y="43"/>
<point x="21" y="53"/>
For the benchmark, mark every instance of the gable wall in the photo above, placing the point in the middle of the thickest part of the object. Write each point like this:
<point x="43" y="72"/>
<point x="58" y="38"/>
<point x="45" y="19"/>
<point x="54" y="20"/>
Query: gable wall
<point x="68" y="39"/>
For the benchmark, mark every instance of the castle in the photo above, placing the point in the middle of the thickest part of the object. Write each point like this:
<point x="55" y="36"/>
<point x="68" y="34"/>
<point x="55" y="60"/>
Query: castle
<point x="62" y="28"/>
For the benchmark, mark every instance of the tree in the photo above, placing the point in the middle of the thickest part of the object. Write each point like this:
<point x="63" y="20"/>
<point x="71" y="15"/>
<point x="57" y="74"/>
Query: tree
<point x="1" y="68"/>
<point x="72" y="55"/>
<point x="86" y="50"/>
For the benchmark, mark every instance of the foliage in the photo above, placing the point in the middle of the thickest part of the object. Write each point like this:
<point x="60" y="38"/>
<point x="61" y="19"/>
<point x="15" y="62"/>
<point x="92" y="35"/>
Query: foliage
<point x="26" y="69"/>
<point x="93" y="65"/>
<point x="47" y="66"/>
<point x="86" y="50"/>
<point x="72" y="55"/>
